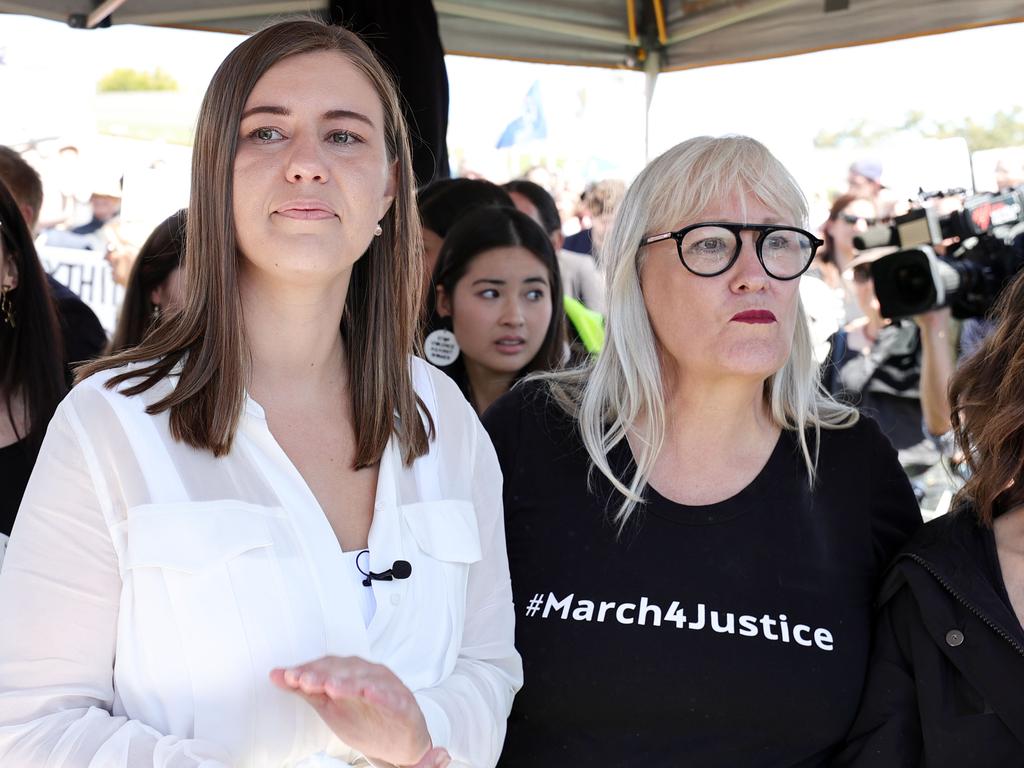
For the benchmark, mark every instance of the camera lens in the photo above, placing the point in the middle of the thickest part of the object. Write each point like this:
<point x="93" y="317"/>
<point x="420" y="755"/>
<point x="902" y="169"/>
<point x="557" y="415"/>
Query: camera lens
<point x="913" y="282"/>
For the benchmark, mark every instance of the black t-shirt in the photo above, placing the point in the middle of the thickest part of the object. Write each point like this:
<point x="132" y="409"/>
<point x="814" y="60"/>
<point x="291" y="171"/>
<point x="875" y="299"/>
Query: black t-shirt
<point x="83" y="336"/>
<point x="732" y="634"/>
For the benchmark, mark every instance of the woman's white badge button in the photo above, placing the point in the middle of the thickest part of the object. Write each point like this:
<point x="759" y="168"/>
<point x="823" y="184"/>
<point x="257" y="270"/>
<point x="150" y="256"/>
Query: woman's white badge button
<point x="954" y="638"/>
<point x="441" y="347"/>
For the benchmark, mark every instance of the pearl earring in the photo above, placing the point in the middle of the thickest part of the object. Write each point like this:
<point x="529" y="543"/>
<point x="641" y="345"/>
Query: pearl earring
<point x="378" y="231"/>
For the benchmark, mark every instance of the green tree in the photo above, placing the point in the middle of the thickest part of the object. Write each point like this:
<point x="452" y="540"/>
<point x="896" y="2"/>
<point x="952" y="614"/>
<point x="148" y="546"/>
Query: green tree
<point x="1003" y="129"/>
<point x="125" y="79"/>
<point x="859" y="133"/>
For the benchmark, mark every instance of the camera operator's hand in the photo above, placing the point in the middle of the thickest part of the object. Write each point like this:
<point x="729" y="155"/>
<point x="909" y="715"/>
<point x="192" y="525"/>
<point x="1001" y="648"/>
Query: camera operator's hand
<point x="937" y="364"/>
<point x="935" y="322"/>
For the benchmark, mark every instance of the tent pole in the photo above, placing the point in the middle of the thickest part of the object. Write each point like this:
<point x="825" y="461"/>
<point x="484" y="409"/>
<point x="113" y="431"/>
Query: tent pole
<point x="652" y="66"/>
<point x="102" y="12"/>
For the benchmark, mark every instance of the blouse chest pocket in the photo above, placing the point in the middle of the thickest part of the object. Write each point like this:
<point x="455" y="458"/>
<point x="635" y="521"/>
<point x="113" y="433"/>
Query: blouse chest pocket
<point x="202" y="561"/>
<point x="192" y="538"/>
<point x="201" y="604"/>
<point x="447" y="543"/>
<point x="445" y="530"/>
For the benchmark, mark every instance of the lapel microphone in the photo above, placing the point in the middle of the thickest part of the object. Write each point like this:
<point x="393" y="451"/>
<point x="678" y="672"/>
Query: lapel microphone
<point x="400" y="569"/>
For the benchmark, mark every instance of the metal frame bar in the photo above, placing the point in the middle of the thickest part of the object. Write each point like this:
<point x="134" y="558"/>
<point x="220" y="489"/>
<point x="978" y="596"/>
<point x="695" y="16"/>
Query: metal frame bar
<point x="530" y="22"/>
<point x="634" y="39"/>
<point x="199" y="15"/>
<point x="659" y="18"/>
<point x="745" y="14"/>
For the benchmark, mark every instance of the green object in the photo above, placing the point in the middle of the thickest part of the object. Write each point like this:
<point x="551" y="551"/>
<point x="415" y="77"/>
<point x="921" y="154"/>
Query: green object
<point x="589" y="324"/>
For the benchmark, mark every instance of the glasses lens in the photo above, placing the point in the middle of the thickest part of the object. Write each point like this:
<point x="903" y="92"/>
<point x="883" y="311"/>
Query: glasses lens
<point x="707" y="250"/>
<point x="786" y="252"/>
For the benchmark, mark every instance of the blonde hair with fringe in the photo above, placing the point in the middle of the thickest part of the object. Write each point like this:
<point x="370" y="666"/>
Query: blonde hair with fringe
<point x="608" y="396"/>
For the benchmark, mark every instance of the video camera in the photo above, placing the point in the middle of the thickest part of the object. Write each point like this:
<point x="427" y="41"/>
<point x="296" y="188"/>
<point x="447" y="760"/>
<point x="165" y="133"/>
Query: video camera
<point x="915" y="279"/>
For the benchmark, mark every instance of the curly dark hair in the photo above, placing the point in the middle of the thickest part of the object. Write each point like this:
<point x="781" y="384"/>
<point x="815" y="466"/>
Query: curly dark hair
<point x="987" y="394"/>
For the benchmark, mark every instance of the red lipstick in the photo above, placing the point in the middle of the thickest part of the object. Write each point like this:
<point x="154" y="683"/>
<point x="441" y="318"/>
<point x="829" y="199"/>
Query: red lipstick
<point x="754" y="316"/>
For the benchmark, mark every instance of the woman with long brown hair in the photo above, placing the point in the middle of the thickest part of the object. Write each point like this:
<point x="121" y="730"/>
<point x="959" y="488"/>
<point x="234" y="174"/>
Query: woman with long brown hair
<point x="946" y="681"/>
<point x="31" y="368"/>
<point x="268" y="536"/>
<point x="155" y="285"/>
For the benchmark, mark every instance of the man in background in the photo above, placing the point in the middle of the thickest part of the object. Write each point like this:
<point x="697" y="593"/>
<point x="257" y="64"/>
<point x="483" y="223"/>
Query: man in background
<point x="600" y="201"/>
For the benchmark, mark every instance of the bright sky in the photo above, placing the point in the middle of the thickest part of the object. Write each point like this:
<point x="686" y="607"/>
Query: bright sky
<point x="594" y="115"/>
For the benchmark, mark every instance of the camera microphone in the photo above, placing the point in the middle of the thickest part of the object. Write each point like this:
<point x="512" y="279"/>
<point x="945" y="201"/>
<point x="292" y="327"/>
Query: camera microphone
<point x="400" y="569"/>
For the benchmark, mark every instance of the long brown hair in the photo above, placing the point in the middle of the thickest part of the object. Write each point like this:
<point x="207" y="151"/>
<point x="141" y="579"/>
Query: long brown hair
<point x="31" y="365"/>
<point x="208" y="335"/>
<point x="987" y="394"/>
<point x="158" y="257"/>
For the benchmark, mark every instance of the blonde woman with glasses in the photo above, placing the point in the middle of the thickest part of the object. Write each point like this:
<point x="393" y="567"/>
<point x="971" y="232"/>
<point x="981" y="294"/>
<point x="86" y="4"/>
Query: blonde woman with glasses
<point x="268" y="536"/>
<point x="695" y="529"/>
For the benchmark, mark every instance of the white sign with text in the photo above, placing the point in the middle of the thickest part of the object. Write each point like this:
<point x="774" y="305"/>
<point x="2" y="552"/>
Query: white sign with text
<point x="87" y="274"/>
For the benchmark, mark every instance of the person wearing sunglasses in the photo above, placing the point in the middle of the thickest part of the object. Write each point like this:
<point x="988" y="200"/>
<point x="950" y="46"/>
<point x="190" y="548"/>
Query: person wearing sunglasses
<point x="848" y="217"/>
<point x="693" y="564"/>
<point x="895" y="370"/>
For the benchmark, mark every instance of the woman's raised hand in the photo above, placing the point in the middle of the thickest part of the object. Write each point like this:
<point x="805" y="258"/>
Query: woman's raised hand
<point x="367" y="706"/>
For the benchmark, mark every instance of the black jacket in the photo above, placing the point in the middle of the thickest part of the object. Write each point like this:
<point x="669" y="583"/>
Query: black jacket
<point x="83" y="336"/>
<point x="945" y="683"/>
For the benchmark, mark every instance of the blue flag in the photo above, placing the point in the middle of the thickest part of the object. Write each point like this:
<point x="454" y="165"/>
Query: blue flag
<point x="530" y="124"/>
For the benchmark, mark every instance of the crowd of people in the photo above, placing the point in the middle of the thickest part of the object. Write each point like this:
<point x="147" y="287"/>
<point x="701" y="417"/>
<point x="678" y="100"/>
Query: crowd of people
<point x="649" y="500"/>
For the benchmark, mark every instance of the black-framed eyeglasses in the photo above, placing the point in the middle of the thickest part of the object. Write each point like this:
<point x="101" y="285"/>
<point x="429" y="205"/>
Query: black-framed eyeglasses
<point x="709" y="248"/>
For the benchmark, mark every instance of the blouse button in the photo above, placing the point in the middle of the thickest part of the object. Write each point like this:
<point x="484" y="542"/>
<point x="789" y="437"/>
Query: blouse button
<point x="396" y="599"/>
<point x="954" y="638"/>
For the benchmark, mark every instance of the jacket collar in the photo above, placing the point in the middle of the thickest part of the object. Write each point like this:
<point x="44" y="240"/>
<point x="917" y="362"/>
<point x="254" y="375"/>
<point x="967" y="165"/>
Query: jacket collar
<point x="952" y="549"/>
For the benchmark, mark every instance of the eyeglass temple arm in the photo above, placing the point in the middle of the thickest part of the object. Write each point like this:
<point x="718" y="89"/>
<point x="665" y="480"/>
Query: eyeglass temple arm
<point x="656" y="238"/>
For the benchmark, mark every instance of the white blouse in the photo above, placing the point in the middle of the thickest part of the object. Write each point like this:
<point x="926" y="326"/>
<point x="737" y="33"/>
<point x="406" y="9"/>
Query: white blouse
<point x="149" y="588"/>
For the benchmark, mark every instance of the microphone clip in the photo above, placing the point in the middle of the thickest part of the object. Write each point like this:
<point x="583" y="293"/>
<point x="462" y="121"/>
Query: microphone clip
<point x="400" y="569"/>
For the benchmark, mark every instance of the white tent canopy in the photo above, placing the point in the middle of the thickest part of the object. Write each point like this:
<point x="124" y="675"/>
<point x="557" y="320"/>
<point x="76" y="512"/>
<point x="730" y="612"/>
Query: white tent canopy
<point x="651" y="35"/>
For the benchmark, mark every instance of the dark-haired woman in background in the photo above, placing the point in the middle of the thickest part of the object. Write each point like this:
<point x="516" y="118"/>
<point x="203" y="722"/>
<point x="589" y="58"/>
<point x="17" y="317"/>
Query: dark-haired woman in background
<point x="498" y="290"/>
<point x="155" y="284"/>
<point x="444" y="202"/>
<point x="31" y="367"/>
<point x="946" y="681"/>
